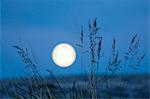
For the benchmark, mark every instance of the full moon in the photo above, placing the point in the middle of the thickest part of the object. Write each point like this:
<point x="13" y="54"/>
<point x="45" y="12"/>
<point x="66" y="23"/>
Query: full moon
<point x="63" y="55"/>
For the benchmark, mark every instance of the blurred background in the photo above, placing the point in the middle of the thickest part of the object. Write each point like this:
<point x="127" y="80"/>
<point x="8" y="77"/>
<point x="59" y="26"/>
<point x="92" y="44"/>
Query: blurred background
<point x="41" y="24"/>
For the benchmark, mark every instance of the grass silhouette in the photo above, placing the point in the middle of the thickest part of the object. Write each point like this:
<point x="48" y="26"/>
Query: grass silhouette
<point x="39" y="88"/>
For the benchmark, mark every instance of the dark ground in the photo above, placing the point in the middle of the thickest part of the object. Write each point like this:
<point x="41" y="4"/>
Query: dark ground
<point x="133" y="86"/>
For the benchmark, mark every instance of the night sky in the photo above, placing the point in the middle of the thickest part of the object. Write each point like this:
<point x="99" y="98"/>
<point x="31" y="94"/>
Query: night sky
<point x="41" y="24"/>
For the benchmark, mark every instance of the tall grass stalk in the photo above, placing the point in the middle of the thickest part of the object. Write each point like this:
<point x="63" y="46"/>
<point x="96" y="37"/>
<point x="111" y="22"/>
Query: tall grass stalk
<point x="132" y="58"/>
<point x="40" y="89"/>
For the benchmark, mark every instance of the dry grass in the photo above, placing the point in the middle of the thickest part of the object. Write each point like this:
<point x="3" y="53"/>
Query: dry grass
<point x="39" y="89"/>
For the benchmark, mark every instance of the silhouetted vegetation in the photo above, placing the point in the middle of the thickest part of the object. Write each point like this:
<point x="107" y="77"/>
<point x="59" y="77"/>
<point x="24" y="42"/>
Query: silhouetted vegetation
<point x="89" y="85"/>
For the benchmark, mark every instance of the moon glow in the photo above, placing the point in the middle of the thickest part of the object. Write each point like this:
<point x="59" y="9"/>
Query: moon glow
<point x="63" y="55"/>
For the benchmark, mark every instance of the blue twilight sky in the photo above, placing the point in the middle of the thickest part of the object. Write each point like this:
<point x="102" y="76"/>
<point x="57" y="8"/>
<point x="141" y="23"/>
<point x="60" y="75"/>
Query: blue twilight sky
<point x="41" y="24"/>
